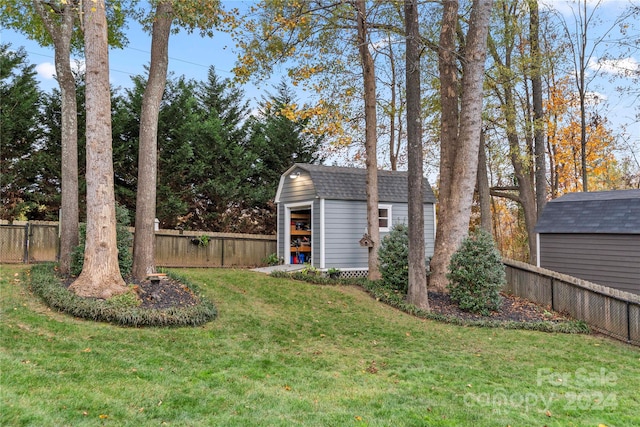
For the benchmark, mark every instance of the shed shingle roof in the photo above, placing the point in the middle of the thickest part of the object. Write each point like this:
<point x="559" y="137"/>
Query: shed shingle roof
<point x="348" y="183"/>
<point x="613" y="212"/>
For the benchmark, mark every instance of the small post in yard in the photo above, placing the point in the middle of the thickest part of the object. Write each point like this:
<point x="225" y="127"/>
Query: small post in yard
<point x="222" y="252"/>
<point x="25" y="256"/>
<point x="155" y="277"/>
<point x="628" y="322"/>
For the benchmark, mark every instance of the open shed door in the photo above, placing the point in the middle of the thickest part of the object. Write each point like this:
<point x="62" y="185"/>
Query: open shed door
<point x="299" y="235"/>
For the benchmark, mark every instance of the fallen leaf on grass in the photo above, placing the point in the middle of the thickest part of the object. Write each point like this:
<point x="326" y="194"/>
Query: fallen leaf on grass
<point x="548" y="413"/>
<point x="86" y="350"/>
<point x="103" y="416"/>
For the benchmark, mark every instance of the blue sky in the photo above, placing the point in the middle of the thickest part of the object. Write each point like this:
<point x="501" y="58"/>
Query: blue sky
<point x="191" y="56"/>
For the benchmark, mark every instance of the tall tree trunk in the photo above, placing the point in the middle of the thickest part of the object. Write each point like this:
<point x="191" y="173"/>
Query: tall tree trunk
<point x="538" y="110"/>
<point x="522" y="159"/>
<point x="582" y="88"/>
<point x="144" y="238"/>
<point x="368" y="73"/>
<point x="393" y="110"/>
<point x="460" y="167"/>
<point x="484" y="194"/>
<point x="100" y="277"/>
<point x="61" y="32"/>
<point x="449" y="120"/>
<point x="526" y="196"/>
<point x="417" y="292"/>
<point x="522" y="163"/>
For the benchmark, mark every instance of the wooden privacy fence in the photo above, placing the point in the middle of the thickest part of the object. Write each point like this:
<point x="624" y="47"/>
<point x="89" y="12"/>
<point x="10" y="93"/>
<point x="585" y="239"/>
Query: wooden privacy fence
<point x="610" y="311"/>
<point x="38" y="241"/>
<point x="204" y="249"/>
<point x="33" y="241"/>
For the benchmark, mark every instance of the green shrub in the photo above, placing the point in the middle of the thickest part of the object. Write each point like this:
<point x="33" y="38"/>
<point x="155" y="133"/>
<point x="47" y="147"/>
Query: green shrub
<point x="393" y="258"/>
<point x="126" y="300"/>
<point x="124" y="240"/>
<point x="271" y="259"/>
<point x="476" y="274"/>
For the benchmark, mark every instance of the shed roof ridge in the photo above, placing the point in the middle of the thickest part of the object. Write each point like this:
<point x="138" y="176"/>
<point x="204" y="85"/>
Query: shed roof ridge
<point x="582" y="196"/>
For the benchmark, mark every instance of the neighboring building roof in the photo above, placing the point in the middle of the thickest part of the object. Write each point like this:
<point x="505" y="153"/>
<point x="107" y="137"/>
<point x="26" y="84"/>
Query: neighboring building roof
<point x="613" y="212"/>
<point x="349" y="183"/>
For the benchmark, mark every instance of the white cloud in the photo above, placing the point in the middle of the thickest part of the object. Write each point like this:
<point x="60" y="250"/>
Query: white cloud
<point x="46" y="70"/>
<point x="594" y="98"/>
<point x="568" y="8"/>
<point x="78" y="65"/>
<point x="625" y="67"/>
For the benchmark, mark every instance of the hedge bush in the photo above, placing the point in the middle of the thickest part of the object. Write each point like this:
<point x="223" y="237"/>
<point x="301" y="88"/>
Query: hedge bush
<point x="393" y="258"/>
<point x="476" y="274"/>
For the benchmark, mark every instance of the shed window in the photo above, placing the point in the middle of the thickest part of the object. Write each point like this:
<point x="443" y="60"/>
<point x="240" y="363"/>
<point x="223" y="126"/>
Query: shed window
<point x="384" y="217"/>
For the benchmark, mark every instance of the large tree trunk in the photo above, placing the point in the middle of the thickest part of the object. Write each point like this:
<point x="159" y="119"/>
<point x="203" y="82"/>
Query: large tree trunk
<point x="417" y="292"/>
<point x="368" y="73"/>
<point x="484" y="192"/>
<point x="100" y="277"/>
<point x="522" y="158"/>
<point x="449" y="119"/>
<point x="144" y="239"/>
<point x="526" y="196"/>
<point x="538" y="110"/>
<point x="582" y="91"/>
<point x="61" y="32"/>
<point x="394" y="148"/>
<point x="459" y="165"/>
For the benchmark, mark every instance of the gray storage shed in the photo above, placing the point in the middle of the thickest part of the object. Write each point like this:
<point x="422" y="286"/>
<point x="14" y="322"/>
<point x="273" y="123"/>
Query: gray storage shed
<point x="594" y="236"/>
<point x="322" y="214"/>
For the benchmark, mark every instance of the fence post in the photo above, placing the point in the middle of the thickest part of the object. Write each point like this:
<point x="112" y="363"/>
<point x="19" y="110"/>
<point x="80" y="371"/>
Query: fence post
<point x="25" y="257"/>
<point x="553" y="305"/>
<point x="222" y="252"/>
<point x="628" y="322"/>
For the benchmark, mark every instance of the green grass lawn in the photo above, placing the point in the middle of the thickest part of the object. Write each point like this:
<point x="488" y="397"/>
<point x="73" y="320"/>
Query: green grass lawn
<point x="285" y="353"/>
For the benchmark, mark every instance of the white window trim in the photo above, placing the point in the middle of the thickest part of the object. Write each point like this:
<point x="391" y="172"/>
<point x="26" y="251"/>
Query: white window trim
<point x="389" y="218"/>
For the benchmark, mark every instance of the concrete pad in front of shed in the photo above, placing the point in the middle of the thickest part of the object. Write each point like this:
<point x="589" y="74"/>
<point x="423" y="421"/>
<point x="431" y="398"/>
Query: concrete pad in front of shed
<point x="284" y="267"/>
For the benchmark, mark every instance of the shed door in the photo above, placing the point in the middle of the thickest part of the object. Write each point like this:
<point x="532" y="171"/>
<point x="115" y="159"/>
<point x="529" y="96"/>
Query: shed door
<point x="299" y="236"/>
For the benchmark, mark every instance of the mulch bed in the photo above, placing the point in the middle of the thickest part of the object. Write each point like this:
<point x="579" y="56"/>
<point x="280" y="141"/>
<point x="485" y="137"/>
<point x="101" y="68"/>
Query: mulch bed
<point x="166" y="293"/>
<point x="513" y="308"/>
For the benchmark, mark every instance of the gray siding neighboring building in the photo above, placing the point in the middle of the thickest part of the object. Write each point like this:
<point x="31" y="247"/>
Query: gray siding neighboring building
<point x="335" y="200"/>
<point x="593" y="236"/>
